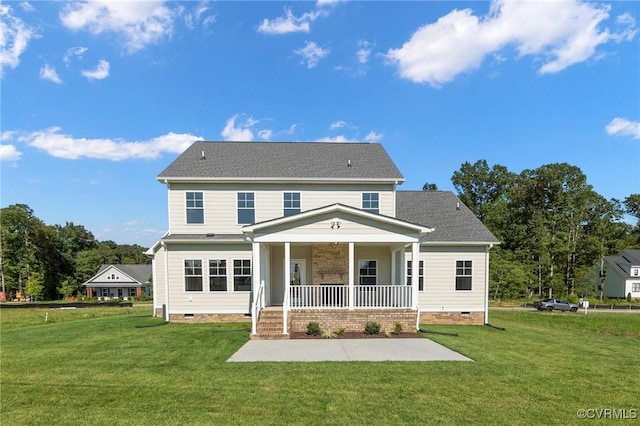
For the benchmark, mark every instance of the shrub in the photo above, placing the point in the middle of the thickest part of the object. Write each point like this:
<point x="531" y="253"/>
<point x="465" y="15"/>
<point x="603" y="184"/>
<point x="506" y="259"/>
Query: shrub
<point x="328" y="334"/>
<point x="313" y="328"/>
<point x="397" y="328"/>
<point x="372" y="328"/>
<point x="341" y="331"/>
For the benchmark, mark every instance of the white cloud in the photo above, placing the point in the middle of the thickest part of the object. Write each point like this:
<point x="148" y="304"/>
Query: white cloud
<point x="623" y="127"/>
<point x="363" y="52"/>
<point x="556" y="33"/>
<point x="195" y="17"/>
<point x="14" y="38"/>
<point x="241" y="133"/>
<point x="9" y="153"/>
<point x="60" y="145"/>
<point x="373" y="137"/>
<point x="76" y="52"/>
<point x="312" y="53"/>
<point x="49" y="73"/>
<point x="100" y="72"/>
<point x="27" y="7"/>
<point x="370" y="137"/>
<point x="337" y="124"/>
<point x="321" y="3"/>
<point x="138" y="23"/>
<point x="289" y="23"/>
<point x="265" y="134"/>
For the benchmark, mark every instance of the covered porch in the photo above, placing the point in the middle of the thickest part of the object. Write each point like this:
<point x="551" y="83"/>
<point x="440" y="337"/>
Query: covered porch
<point x="334" y="259"/>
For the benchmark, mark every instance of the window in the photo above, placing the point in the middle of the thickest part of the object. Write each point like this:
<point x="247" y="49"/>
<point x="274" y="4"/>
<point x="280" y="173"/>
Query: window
<point x="371" y="202"/>
<point x="217" y="275"/>
<point x="105" y="292"/>
<point x="463" y="274"/>
<point x="246" y="208"/>
<point x="635" y="287"/>
<point x="195" y="207"/>
<point x="132" y="292"/>
<point x="242" y="275"/>
<point x="193" y="275"/>
<point x="291" y="203"/>
<point x="368" y="272"/>
<point x="420" y="274"/>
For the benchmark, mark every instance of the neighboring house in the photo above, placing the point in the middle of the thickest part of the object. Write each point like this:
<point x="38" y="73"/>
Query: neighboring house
<point x="623" y="274"/>
<point x="288" y="233"/>
<point x="119" y="281"/>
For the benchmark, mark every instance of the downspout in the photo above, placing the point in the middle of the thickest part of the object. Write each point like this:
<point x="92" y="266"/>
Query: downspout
<point x="166" y="281"/>
<point x="486" y="283"/>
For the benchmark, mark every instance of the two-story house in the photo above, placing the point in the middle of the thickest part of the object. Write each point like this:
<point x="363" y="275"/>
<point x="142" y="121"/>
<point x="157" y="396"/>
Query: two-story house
<point x="310" y="231"/>
<point x="622" y="275"/>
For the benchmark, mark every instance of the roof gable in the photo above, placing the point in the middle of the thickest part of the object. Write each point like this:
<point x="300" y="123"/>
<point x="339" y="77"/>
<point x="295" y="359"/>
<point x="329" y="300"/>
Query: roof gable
<point x="452" y="220"/>
<point x="283" y="161"/>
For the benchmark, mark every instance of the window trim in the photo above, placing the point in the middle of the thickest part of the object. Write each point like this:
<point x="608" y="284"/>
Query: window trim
<point x="635" y="287"/>
<point x="360" y="276"/>
<point x="420" y="274"/>
<point x="371" y="209"/>
<point x="284" y="201"/>
<point x="219" y="268"/>
<point x="464" y="267"/>
<point x="238" y="208"/>
<point x="184" y="272"/>
<point x="187" y="208"/>
<point x="250" y="274"/>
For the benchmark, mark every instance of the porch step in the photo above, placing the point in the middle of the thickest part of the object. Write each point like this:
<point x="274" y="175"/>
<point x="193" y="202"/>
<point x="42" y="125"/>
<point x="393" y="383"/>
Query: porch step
<point x="269" y="325"/>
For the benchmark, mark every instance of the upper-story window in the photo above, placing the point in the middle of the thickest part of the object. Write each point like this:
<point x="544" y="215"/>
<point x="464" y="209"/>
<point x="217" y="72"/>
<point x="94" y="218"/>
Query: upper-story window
<point x="246" y="208"/>
<point x="371" y="202"/>
<point x="291" y="203"/>
<point x="195" y="207"/>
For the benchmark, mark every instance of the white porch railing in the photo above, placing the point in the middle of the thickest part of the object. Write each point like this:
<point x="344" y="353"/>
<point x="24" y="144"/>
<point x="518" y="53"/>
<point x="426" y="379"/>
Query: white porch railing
<point x="337" y="296"/>
<point x="256" y="307"/>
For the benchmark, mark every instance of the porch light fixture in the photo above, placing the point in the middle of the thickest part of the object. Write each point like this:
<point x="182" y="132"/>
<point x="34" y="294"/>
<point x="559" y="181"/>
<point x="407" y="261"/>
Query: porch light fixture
<point x="335" y="224"/>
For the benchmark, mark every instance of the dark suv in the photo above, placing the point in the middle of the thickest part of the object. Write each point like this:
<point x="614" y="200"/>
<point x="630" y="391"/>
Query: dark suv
<point x="558" y="304"/>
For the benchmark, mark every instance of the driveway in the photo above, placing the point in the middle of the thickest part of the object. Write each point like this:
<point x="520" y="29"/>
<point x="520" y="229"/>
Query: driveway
<point x="312" y="350"/>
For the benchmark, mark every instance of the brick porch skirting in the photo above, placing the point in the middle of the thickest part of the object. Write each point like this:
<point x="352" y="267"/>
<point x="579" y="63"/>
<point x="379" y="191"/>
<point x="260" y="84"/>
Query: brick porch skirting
<point x="204" y="318"/>
<point x="467" y="318"/>
<point x="336" y="319"/>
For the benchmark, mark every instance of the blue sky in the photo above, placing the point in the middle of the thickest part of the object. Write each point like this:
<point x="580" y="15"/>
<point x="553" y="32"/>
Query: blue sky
<point x="99" y="97"/>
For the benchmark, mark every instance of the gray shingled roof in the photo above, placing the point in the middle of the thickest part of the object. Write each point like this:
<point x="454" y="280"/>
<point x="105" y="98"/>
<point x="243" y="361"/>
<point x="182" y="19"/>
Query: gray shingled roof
<point x="283" y="160"/>
<point x="623" y="261"/>
<point x="140" y="273"/>
<point x="437" y="209"/>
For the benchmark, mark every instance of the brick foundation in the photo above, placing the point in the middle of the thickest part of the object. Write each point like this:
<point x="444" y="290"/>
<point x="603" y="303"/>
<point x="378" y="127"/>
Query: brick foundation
<point x="355" y="320"/>
<point x="471" y="318"/>
<point x="204" y="318"/>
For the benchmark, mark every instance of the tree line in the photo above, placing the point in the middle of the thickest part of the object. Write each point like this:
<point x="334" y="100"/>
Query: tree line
<point x="52" y="262"/>
<point x="555" y="230"/>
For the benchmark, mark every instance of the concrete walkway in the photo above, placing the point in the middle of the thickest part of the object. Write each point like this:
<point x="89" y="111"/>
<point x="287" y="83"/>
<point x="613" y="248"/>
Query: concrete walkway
<point x="315" y="350"/>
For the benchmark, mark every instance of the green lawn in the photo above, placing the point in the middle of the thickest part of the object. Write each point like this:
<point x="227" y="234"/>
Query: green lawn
<point x="129" y="369"/>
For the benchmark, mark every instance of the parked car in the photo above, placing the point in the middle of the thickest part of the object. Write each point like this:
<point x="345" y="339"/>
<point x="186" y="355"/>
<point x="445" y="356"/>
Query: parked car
<point x="558" y="304"/>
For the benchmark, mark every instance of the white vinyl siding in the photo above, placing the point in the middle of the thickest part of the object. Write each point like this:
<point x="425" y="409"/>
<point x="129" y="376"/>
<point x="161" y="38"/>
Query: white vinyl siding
<point x="220" y="202"/>
<point x="184" y="302"/>
<point x="440" y="294"/>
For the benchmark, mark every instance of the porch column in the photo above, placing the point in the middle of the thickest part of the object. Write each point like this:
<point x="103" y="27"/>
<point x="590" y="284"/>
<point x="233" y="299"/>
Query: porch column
<point x="415" y="265"/>
<point x="89" y="292"/>
<point x="403" y="262"/>
<point x="255" y="269"/>
<point x="287" y="283"/>
<point x="351" y="276"/>
<point x="394" y="253"/>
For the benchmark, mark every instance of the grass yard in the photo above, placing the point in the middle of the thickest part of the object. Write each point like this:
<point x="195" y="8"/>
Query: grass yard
<point x="127" y="370"/>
